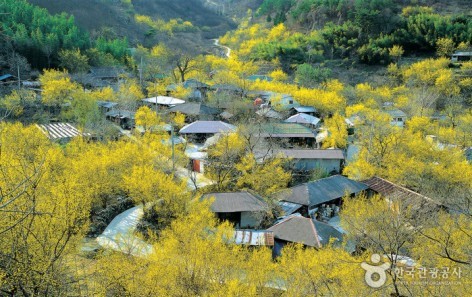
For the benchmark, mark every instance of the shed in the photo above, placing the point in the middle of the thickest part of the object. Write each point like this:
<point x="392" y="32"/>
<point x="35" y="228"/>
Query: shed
<point x="243" y="209"/>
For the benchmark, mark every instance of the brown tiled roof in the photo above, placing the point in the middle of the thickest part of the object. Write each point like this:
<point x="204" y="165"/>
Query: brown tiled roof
<point x="390" y="190"/>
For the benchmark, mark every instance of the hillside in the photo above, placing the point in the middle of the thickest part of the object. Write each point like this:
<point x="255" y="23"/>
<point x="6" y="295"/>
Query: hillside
<point x="117" y="18"/>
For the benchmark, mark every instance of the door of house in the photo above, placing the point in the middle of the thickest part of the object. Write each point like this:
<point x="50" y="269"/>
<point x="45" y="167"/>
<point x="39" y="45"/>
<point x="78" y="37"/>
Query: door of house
<point x="196" y="166"/>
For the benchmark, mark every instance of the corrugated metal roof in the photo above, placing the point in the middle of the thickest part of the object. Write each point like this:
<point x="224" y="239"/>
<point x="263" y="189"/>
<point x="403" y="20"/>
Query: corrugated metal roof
<point x="236" y="202"/>
<point x="334" y="154"/>
<point x="303" y="118"/>
<point x="321" y="191"/>
<point x="164" y="100"/>
<point x="195" y="109"/>
<point x="254" y="237"/>
<point x="297" y="229"/>
<point x="326" y="232"/>
<point x="58" y="131"/>
<point x="207" y="127"/>
<point x="302" y="109"/>
<point x="289" y="207"/>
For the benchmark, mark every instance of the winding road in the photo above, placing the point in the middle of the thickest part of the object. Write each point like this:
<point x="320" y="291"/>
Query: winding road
<point x="119" y="234"/>
<point x="216" y="42"/>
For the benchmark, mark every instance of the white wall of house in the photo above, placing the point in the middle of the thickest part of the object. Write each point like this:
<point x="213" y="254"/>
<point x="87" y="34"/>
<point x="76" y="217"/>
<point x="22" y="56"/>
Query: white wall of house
<point x="310" y="164"/>
<point x="249" y="219"/>
<point x="398" y="121"/>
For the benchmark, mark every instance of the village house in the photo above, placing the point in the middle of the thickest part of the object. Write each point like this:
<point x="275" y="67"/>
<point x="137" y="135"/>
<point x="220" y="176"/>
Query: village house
<point x="461" y="56"/>
<point x="199" y="131"/>
<point x="124" y="118"/>
<point x="298" y="229"/>
<point x="282" y="101"/>
<point x="309" y="110"/>
<point x="320" y="199"/>
<point x="291" y="133"/>
<point x="245" y="210"/>
<point x="329" y="161"/>
<point x="194" y="111"/>
<point x="397" y="117"/>
<point x="106" y="106"/>
<point x="99" y="77"/>
<point x="304" y="119"/>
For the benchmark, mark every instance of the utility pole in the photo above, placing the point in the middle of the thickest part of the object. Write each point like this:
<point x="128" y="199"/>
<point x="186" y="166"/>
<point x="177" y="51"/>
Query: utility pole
<point x="173" y="154"/>
<point x="19" y="79"/>
<point x="141" y="73"/>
